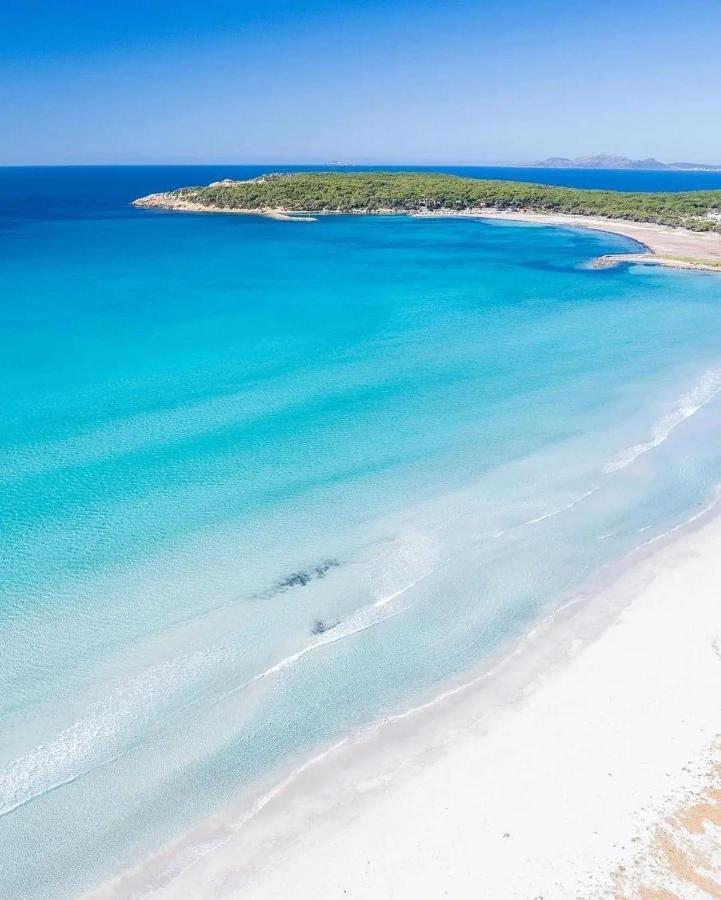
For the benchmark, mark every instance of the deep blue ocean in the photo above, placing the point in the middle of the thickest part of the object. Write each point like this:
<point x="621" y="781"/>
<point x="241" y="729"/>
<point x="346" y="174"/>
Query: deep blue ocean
<point x="263" y="482"/>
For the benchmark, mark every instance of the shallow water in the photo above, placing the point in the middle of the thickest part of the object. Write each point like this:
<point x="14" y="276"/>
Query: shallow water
<point x="264" y="481"/>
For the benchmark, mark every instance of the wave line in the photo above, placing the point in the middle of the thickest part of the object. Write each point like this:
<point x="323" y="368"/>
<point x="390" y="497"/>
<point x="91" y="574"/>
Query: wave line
<point x="688" y="404"/>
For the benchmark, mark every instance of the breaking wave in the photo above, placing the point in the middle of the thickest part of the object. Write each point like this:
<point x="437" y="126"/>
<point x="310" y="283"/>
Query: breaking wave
<point x="688" y="404"/>
<point x="95" y="739"/>
<point x="560" y="509"/>
<point x="102" y="734"/>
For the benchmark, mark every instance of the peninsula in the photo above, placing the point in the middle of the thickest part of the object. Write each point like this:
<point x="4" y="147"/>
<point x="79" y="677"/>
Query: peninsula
<point x="677" y="229"/>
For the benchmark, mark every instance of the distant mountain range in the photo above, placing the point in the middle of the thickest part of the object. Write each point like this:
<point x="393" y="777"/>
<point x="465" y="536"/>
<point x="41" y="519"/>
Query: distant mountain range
<point x="616" y="162"/>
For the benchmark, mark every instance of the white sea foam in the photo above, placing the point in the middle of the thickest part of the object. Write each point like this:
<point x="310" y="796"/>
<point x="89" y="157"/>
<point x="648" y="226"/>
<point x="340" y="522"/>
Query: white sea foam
<point x="560" y="509"/>
<point x="361" y="620"/>
<point x="364" y="618"/>
<point x="414" y="551"/>
<point x="689" y="403"/>
<point x="93" y="740"/>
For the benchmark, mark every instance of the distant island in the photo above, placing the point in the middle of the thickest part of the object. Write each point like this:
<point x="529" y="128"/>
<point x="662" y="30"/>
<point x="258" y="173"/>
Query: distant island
<point x="603" y="161"/>
<point x="676" y="229"/>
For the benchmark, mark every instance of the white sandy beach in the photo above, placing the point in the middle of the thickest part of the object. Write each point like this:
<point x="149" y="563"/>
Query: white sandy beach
<point x="586" y="765"/>
<point x="674" y="247"/>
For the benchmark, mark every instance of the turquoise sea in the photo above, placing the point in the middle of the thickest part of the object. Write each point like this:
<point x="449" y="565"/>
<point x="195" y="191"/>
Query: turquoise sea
<point x="263" y="482"/>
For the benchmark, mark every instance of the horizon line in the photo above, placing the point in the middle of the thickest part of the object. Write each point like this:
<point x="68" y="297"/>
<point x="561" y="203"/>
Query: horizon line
<point x="539" y="164"/>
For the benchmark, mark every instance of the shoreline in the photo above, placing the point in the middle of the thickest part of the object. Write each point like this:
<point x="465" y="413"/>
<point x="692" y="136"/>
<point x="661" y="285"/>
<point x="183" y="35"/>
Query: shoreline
<point x="676" y="248"/>
<point x="579" y="762"/>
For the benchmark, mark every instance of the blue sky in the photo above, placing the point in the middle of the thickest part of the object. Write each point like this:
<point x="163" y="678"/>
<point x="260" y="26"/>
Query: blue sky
<point x="395" y="81"/>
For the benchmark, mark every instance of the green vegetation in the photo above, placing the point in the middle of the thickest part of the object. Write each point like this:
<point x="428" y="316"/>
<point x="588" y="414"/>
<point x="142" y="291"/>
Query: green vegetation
<point x="415" y="191"/>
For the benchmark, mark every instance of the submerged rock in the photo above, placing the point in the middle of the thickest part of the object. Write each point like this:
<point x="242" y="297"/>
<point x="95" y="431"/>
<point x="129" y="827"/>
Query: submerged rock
<point x="300" y="579"/>
<point x="320" y="627"/>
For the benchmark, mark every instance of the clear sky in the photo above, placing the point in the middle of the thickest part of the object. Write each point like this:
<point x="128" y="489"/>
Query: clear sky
<point x="92" y="81"/>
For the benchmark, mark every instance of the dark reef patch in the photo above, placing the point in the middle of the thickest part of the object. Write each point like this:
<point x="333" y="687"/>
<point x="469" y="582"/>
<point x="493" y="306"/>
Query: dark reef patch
<point x="305" y="576"/>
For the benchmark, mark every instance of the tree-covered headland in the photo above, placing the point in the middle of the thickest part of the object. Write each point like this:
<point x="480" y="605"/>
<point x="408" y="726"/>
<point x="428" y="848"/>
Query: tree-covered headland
<point x="418" y="191"/>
